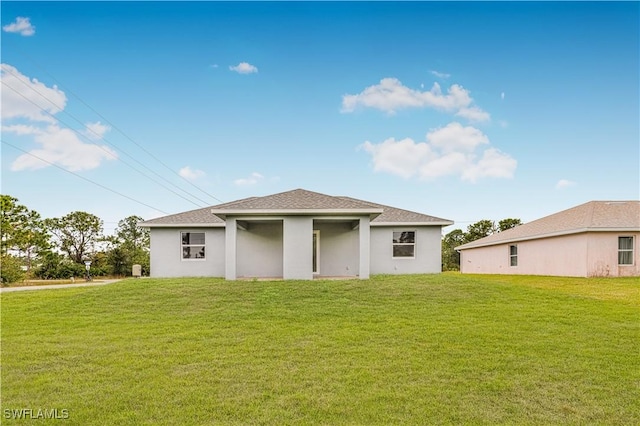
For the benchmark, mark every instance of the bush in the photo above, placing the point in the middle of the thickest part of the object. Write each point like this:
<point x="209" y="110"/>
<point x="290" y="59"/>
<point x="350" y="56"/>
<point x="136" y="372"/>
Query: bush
<point x="56" y="266"/>
<point x="11" y="269"/>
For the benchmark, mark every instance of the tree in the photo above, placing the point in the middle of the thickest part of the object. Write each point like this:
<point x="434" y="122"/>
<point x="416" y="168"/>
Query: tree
<point x="480" y="229"/>
<point x="450" y="257"/>
<point x="509" y="223"/>
<point x="131" y="235"/>
<point x="129" y="246"/>
<point x="76" y="234"/>
<point x="23" y="230"/>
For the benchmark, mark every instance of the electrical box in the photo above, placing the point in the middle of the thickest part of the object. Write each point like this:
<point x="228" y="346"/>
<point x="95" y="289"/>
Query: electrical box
<point x="136" y="271"/>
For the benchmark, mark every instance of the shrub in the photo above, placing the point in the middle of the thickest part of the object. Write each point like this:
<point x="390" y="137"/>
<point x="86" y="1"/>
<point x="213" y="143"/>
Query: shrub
<point x="11" y="269"/>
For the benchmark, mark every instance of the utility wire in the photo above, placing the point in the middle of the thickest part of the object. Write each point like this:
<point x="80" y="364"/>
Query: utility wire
<point x="99" y="136"/>
<point x="108" y="152"/>
<point x="84" y="178"/>
<point x="119" y="130"/>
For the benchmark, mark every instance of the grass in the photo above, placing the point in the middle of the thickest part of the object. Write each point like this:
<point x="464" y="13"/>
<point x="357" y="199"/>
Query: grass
<point x="391" y="350"/>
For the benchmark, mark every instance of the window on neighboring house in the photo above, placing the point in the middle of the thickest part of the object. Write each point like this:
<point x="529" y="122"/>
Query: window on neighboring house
<point x="513" y="255"/>
<point x="404" y="244"/>
<point x="625" y="250"/>
<point x="193" y="245"/>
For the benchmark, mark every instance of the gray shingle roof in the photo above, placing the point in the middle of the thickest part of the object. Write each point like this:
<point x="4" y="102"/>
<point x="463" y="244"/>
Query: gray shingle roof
<point x="591" y="216"/>
<point x="393" y="214"/>
<point x="296" y="200"/>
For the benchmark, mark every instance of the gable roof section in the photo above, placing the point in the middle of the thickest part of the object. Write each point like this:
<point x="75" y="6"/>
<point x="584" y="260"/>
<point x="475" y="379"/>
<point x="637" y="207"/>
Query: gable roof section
<point x="594" y="216"/>
<point x="297" y="201"/>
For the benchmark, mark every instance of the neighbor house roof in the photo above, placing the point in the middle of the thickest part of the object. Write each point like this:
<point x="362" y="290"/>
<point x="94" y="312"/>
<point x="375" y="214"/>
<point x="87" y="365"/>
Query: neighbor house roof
<point x="297" y="201"/>
<point x="594" y="216"/>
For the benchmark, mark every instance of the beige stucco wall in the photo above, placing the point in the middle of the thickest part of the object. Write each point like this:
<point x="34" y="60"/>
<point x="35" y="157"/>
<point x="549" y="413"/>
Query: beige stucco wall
<point x="579" y="255"/>
<point x="603" y="255"/>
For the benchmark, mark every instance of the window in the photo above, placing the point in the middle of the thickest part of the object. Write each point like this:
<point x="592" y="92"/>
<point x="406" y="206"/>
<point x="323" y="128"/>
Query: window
<point x="404" y="244"/>
<point x="513" y="255"/>
<point x="625" y="250"/>
<point x="193" y="245"/>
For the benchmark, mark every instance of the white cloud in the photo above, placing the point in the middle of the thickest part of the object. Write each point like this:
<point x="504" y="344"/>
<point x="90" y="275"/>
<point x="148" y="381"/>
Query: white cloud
<point x="391" y="95"/>
<point x="452" y="150"/>
<point x="564" y="183"/>
<point x="28" y="109"/>
<point x="502" y="95"/>
<point x="244" y="68"/>
<point x="191" y="174"/>
<point x="58" y="146"/>
<point x="28" y="98"/>
<point x="455" y="137"/>
<point x="440" y="74"/>
<point x="402" y="158"/>
<point x="473" y="114"/>
<point x="96" y="131"/>
<point x="21" y="26"/>
<point x="254" y="178"/>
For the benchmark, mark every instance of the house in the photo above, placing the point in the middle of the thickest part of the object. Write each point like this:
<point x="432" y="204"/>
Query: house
<point x="297" y="234"/>
<point x="598" y="238"/>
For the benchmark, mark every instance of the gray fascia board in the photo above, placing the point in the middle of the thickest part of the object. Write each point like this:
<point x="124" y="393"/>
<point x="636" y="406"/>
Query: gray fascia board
<point x="182" y="225"/>
<point x="441" y="223"/>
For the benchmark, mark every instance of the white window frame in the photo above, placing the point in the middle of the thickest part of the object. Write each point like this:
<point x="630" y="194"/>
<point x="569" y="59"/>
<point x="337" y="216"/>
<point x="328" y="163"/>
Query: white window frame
<point x="631" y="250"/>
<point x="182" y="246"/>
<point x="513" y="256"/>
<point x="393" y="244"/>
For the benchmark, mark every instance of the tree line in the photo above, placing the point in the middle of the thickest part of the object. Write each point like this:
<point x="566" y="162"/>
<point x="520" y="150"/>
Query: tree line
<point x="475" y="231"/>
<point x="33" y="247"/>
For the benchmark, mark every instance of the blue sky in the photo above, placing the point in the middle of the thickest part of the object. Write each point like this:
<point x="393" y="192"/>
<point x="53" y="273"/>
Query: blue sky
<point x="466" y="111"/>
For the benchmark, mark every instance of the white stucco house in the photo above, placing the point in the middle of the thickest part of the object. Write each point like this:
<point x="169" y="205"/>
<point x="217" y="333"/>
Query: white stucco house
<point x="598" y="238"/>
<point x="297" y="234"/>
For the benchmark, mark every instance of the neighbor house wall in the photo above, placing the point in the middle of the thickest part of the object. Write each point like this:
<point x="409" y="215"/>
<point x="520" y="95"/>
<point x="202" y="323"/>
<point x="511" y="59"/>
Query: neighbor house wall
<point x="562" y="256"/>
<point x="166" y="253"/>
<point x="339" y="249"/>
<point x="428" y="251"/>
<point x="603" y="255"/>
<point x="260" y="250"/>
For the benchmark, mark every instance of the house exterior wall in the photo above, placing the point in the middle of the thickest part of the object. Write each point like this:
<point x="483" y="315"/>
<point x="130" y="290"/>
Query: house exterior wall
<point x="576" y="255"/>
<point x="339" y="249"/>
<point x="602" y="260"/>
<point x="428" y="251"/>
<point x="166" y="253"/>
<point x="260" y="250"/>
<point x="297" y="248"/>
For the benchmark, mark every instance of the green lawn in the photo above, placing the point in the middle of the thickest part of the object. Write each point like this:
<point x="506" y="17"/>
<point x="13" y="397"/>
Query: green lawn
<point x="391" y="350"/>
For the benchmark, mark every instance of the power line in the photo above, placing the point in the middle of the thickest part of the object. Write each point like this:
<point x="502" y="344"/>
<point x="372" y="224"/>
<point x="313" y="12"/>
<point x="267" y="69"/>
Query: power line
<point x="108" y="152"/>
<point x="84" y="178"/>
<point x="118" y="129"/>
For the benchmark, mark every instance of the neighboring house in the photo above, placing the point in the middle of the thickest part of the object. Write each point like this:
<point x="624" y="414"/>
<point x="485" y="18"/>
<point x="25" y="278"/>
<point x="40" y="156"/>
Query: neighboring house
<point x="297" y="234"/>
<point x="599" y="238"/>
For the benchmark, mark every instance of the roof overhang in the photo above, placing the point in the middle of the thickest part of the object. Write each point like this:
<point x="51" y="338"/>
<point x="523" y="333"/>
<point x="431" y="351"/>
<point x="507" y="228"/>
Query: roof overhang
<point x="181" y="225"/>
<point x="434" y="223"/>
<point x="471" y="245"/>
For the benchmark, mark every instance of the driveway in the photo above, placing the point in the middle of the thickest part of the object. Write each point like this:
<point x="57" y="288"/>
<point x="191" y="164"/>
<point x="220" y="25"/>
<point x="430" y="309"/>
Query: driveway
<point x="53" y="286"/>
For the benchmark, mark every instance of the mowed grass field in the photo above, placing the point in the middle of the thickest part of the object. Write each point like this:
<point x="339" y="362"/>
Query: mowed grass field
<point x="427" y="349"/>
